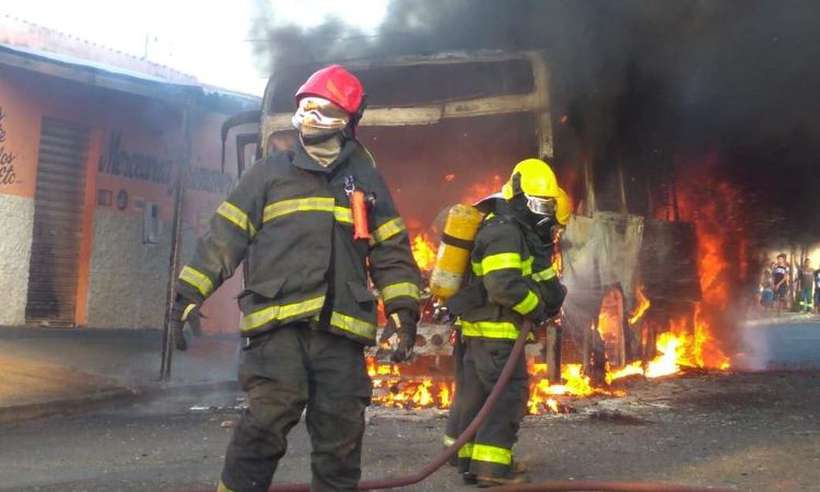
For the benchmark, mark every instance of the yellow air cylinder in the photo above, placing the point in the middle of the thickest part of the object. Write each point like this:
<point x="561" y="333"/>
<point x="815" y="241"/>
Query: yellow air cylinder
<point x="453" y="255"/>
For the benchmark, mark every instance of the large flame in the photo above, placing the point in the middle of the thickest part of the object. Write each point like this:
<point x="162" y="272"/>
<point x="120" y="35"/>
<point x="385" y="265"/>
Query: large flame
<point x="716" y="211"/>
<point x="423" y="252"/>
<point x="685" y="341"/>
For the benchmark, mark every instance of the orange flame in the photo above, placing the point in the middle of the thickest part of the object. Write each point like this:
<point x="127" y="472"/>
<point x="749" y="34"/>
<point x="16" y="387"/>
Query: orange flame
<point x="641" y="308"/>
<point x="423" y="252"/>
<point x="714" y="211"/>
<point x="482" y="189"/>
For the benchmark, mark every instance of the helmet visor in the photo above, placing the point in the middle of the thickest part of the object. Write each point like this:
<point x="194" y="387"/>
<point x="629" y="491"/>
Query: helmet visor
<point x="541" y="206"/>
<point x="317" y="112"/>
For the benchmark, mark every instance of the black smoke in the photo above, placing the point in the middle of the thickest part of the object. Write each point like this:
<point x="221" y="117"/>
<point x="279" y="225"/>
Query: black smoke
<point x="649" y="86"/>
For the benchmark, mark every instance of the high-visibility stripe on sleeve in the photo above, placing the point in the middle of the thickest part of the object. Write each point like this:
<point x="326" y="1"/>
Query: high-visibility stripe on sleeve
<point x="281" y="208"/>
<point x="197" y="279"/>
<point x="237" y="217"/>
<point x="527" y="305"/>
<point x="526" y="266"/>
<point x="187" y="311"/>
<point x="393" y="291"/>
<point x="282" y="312"/>
<point x="500" y="261"/>
<point x="353" y="325"/>
<point x="491" y="454"/>
<point x="388" y="230"/>
<point x="544" y="275"/>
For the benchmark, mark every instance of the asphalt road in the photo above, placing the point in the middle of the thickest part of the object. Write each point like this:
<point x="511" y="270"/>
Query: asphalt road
<point x="757" y="432"/>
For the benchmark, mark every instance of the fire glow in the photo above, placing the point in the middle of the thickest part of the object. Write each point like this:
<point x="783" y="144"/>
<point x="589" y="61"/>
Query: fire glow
<point x="681" y="341"/>
<point x="423" y="252"/>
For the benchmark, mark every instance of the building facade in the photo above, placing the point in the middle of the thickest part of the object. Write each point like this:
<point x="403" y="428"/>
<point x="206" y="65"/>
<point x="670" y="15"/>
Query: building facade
<point x="89" y="159"/>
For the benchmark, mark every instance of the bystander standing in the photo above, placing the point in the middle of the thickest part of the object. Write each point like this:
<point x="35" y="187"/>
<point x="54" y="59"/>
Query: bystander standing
<point x="781" y="276"/>
<point x="806" y="279"/>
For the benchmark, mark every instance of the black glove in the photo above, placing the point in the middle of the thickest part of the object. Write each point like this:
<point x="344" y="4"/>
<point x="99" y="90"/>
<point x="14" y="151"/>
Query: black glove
<point x="553" y="300"/>
<point x="441" y="314"/>
<point x="180" y="312"/>
<point x="401" y="323"/>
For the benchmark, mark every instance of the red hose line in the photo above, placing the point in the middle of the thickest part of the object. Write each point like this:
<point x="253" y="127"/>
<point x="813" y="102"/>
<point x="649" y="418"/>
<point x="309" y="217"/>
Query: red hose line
<point x="469" y="433"/>
<point x="441" y="458"/>
<point x="600" y="486"/>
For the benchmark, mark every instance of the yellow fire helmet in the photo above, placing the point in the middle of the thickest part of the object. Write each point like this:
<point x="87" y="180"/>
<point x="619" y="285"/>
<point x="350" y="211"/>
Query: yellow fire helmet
<point x="563" y="207"/>
<point x="532" y="177"/>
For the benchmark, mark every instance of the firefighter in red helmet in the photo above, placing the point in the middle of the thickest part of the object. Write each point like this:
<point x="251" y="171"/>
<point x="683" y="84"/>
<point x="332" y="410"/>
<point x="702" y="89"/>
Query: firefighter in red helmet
<point x="308" y="307"/>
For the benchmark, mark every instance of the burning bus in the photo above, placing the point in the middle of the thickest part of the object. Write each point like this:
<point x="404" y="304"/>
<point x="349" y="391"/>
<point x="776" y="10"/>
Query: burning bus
<point x="446" y="129"/>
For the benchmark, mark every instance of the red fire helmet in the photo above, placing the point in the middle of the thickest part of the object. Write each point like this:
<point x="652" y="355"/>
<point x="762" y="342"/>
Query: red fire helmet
<point x="337" y="85"/>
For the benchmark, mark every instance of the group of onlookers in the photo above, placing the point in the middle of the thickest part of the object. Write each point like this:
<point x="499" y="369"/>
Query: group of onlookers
<point x="782" y="290"/>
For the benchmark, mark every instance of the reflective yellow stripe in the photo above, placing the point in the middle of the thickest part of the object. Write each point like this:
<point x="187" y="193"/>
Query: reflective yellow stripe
<point x="199" y="280"/>
<point x="448" y="441"/>
<point x="500" y="261"/>
<point x="466" y="451"/>
<point x="526" y="266"/>
<point x="480" y="269"/>
<point x="544" y="275"/>
<point x="280" y="312"/>
<point x="223" y="488"/>
<point x="401" y="289"/>
<point x="388" y="230"/>
<point x="489" y="329"/>
<point x="353" y="325"/>
<point x="492" y="454"/>
<point x="343" y="215"/>
<point x="286" y="207"/>
<point x="236" y="216"/>
<point x="187" y="311"/>
<point x="529" y="303"/>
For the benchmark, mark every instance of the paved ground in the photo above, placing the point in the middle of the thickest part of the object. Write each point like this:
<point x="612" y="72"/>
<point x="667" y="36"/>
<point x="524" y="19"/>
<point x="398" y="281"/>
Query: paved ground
<point x="132" y="357"/>
<point x="30" y="389"/>
<point x="53" y="371"/>
<point x="757" y="432"/>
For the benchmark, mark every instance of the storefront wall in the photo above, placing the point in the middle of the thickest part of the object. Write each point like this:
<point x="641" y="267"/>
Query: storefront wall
<point x="135" y="149"/>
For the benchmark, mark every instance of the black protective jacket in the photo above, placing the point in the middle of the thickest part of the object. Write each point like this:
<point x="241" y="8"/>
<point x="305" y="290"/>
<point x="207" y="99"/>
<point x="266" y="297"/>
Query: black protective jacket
<point x="513" y="266"/>
<point x="290" y="219"/>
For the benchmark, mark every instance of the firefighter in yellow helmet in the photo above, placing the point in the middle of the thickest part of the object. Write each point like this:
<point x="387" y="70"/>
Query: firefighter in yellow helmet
<point x="512" y="280"/>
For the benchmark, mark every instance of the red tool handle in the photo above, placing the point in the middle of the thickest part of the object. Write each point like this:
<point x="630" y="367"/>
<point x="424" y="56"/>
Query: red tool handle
<point x="358" y="204"/>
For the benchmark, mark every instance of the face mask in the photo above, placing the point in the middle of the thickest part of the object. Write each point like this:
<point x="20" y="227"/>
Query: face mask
<point x="323" y="146"/>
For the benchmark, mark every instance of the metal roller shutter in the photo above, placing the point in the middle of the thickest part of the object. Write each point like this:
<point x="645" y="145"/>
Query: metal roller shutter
<point x="58" y="214"/>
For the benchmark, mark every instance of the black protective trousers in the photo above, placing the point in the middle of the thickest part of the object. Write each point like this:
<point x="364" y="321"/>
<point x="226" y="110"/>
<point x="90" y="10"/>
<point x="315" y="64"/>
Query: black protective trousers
<point x="451" y="431"/>
<point x="490" y="452"/>
<point x="284" y="371"/>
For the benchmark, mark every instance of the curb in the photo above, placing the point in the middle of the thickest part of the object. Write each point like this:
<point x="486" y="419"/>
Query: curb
<point x="69" y="406"/>
<point x="73" y="406"/>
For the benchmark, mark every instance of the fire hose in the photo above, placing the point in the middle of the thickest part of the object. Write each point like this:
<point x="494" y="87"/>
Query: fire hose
<point x="470" y="432"/>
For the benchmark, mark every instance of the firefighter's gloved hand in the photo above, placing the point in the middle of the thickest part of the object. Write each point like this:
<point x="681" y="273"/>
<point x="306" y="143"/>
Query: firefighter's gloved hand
<point x="180" y="312"/>
<point x="441" y="313"/>
<point x="402" y="324"/>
